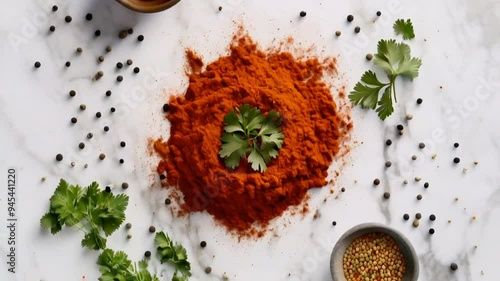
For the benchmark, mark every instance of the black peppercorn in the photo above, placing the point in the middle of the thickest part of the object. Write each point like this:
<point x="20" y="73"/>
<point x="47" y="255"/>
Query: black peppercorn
<point x="68" y="19"/>
<point x="387" y="195"/>
<point x="100" y="58"/>
<point x="72" y="93"/>
<point x="106" y="128"/>
<point x="388" y="142"/>
<point x="81" y="145"/>
<point x="90" y="135"/>
<point x="130" y="62"/>
<point x="79" y="50"/>
<point x="102" y="156"/>
<point x="168" y="201"/>
<point x="119" y="78"/>
<point x="128" y="225"/>
<point x="140" y="38"/>
<point x="108" y="49"/>
<point x="357" y="29"/>
<point x="54" y="8"/>
<point x="37" y="64"/>
<point x="453" y="266"/>
<point x="112" y="109"/>
<point x="122" y="161"/>
<point x="203" y="244"/>
<point x="124" y="185"/>
<point x="97" y="33"/>
<point x="400" y="127"/>
<point x="208" y="270"/>
<point x="166" y="107"/>
<point x="406" y="217"/>
<point x="432" y="217"/>
<point x="334" y="223"/>
<point x="52" y="28"/>
<point x="419" y="101"/>
<point x="88" y="16"/>
<point x="59" y="157"/>
<point x="74" y="120"/>
<point x="379" y="13"/>
<point x="220" y="8"/>
<point x="431" y="231"/>
<point x="419" y="197"/>
<point x="122" y="144"/>
<point x="108" y="93"/>
<point x="456" y="160"/>
<point x="418" y="216"/>
<point x="388" y="164"/>
<point x="98" y="114"/>
<point x="162" y="177"/>
<point x="122" y="34"/>
<point x="152" y="229"/>
<point x="342" y="189"/>
<point x="456" y="144"/>
<point x="137" y="70"/>
<point x="147" y="254"/>
<point x="421" y="145"/>
<point x="68" y="64"/>
<point x="119" y="65"/>
<point x="350" y="18"/>
<point x="303" y="14"/>
<point x="108" y="189"/>
<point x="130" y="31"/>
<point x="376" y="181"/>
<point x="426" y="185"/>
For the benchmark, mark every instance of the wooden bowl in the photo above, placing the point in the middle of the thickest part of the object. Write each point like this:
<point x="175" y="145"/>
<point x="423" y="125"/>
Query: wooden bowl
<point x="148" y="6"/>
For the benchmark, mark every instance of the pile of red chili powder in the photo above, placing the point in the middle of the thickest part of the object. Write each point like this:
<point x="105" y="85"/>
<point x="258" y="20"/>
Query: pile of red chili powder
<point x="244" y="200"/>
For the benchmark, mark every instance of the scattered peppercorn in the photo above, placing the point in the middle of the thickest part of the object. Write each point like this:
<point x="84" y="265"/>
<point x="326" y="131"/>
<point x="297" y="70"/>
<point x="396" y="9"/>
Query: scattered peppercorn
<point x="369" y="56"/>
<point x="97" y="33"/>
<point x="98" y="114"/>
<point x="106" y="128"/>
<point x="431" y="231"/>
<point x="129" y="236"/>
<point x="379" y="13"/>
<point x="112" y="109"/>
<point x="130" y="62"/>
<point x="54" y="8"/>
<point x="456" y="144"/>
<point x="168" y="201"/>
<point x="100" y="58"/>
<point x="203" y="244"/>
<point x="350" y="18"/>
<point x="406" y="217"/>
<point x="59" y="157"/>
<point x="387" y="195"/>
<point x="208" y="270"/>
<point x="388" y="142"/>
<point x="376" y="181"/>
<point x="140" y="38"/>
<point x="303" y="14"/>
<point x="334" y="223"/>
<point x="414" y="157"/>
<point x="405" y="181"/>
<point x="418" y="216"/>
<point x="166" y="107"/>
<point x="124" y="185"/>
<point x="122" y="161"/>
<point x="130" y="31"/>
<point x="81" y="145"/>
<point x="357" y="29"/>
<point x="419" y="197"/>
<point x="400" y="127"/>
<point x="88" y="16"/>
<point x="421" y="145"/>
<point x="52" y="28"/>
<point x="68" y="64"/>
<point x="162" y="177"/>
<point x="409" y="117"/>
<point x="152" y="229"/>
<point x="90" y="135"/>
<point x="418" y="178"/>
<point x="102" y="156"/>
<point x="122" y="144"/>
<point x="79" y="50"/>
<point x="72" y="93"/>
<point x="108" y="189"/>
<point x="456" y="160"/>
<point x="419" y="101"/>
<point x="476" y="162"/>
<point x="147" y="254"/>
<point x="388" y="164"/>
<point x="74" y="120"/>
<point x="338" y="33"/>
<point x="122" y="34"/>
<point x="401" y="133"/>
<point x="119" y="78"/>
<point x="68" y="19"/>
<point x="137" y="70"/>
<point x="432" y="217"/>
<point x="342" y="189"/>
<point x="37" y="64"/>
<point x="100" y="74"/>
<point x="108" y="49"/>
<point x="453" y="266"/>
<point x="108" y="93"/>
<point x="128" y="225"/>
<point x="416" y="223"/>
<point x="426" y="185"/>
<point x="119" y="65"/>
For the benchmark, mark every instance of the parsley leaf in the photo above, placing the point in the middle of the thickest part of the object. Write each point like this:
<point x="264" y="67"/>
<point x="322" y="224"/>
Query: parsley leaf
<point x="250" y="134"/>
<point x="405" y="28"/>
<point x="173" y="253"/>
<point x="95" y="212"/>
<point x="395" y="59"/>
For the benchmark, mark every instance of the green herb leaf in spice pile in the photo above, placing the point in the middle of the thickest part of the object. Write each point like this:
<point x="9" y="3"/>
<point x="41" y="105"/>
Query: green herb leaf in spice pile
<point x="116" y="266"/>
<point x="395" y="59"/>
<point x="95" y="212"/>
<point x="250" y="134"/>
<point x="175" y="254"/>
<point x="404" y="28"/>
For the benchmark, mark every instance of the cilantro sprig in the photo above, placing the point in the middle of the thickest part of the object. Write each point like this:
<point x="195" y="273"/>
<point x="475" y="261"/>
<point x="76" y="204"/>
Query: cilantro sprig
<point x="95" y="212"/>
<point x="250" y="134"/>
<point x="175" y="254"/>
<point x="404" y="28"/>
<point x="395" y="59"/>
<point x="116" y="266"/>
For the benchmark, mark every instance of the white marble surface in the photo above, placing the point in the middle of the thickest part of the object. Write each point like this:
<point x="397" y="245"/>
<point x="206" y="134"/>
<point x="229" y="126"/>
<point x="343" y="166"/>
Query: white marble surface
<point x="458" y="41"/>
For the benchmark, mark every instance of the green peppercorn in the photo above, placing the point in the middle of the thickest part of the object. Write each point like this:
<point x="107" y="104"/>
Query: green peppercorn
<point x="79" y="50"/>
<point x="208" y="270"/>
<point x="414" y="157"/>
<point x="108" y="49"/>
<point x="338" y="33"/>
<point x="416" y="223"/>
<point x="122" y="34"/>
<point x="100" y="58"/>
<point x="418" y="216"/>
<point x="129" y="236"/>
<point x="130" y="62"/>
<point x="83" y="107"/>
<point x="100" y="73"/>
<point x="128" y="225"/>
<point x="369" y="56"/>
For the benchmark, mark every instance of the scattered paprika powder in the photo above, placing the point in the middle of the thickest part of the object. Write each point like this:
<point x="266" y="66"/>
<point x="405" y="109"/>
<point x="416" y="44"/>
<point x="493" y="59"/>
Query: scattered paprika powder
<point x="243" y="200"/>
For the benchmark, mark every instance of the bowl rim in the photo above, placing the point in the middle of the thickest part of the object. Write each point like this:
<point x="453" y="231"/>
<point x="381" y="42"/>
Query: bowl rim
<point x="350" y="235"/>
<point x="135" y="5"/>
